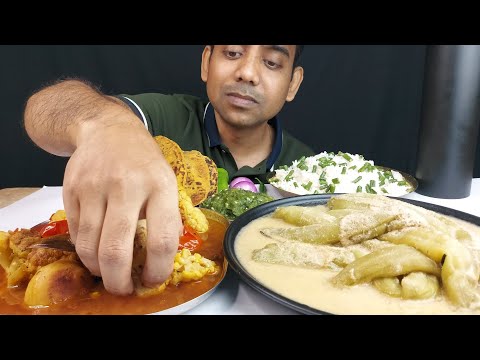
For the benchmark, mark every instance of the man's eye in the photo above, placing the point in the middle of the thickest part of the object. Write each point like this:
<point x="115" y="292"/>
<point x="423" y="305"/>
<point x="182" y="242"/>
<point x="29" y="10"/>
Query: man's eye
<point x="271" y="64"/>
<point x="232" y="54"/>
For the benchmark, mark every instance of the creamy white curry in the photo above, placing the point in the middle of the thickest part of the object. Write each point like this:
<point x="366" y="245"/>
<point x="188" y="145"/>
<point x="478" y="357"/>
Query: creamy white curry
<point x="366" y="254"/>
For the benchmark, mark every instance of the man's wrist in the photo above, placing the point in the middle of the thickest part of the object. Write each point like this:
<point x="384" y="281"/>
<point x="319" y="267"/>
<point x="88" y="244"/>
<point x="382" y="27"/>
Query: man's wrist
<point x="116" y="118"/>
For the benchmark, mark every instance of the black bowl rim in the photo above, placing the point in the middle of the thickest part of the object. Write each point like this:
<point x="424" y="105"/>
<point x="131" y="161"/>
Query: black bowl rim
<point x="308" y="200"/>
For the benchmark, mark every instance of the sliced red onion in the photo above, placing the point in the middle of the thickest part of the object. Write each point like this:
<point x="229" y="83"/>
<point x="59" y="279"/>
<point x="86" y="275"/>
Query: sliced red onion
<point x="245" y="185"/>
<point x="240" y="178"/>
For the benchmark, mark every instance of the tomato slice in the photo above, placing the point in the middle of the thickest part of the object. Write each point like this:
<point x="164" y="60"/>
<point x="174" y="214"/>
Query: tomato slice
<point x="39" y="227"/>
<point x="50" y="228"/>
<point x="189" y="239"/>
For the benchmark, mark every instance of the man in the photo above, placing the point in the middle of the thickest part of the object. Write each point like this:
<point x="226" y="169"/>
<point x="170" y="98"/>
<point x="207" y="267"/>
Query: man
<point x="117" y="173"/>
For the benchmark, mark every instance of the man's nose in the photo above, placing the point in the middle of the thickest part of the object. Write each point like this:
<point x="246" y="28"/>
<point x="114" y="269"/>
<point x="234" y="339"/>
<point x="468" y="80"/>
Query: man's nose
<point x="248" y="70"/>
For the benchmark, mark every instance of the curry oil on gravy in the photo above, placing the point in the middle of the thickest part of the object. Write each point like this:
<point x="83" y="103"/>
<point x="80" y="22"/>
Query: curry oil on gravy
<point x="11" y="300"/>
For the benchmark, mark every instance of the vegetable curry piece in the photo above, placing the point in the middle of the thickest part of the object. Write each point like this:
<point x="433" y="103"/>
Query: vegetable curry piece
<point x="95" y="299"/>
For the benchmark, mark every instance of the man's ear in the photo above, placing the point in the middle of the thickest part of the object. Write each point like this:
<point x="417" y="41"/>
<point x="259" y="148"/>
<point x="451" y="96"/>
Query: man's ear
<point x="207" y="52"/>
<point x="297" y="79"/>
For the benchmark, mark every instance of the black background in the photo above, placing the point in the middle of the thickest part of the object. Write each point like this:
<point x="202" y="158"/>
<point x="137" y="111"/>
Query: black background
<point x="363" y="99"/>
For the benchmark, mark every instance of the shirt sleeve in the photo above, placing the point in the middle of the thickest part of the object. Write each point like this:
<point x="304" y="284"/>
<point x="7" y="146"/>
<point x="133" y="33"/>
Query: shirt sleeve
<point x="162" y="114"/>
<point x="135" y="108"/>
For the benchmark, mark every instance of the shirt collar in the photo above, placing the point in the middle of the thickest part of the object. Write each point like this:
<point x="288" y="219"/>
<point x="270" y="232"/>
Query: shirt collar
<point x="211" y="126"/>
<point x="214" y="137"/>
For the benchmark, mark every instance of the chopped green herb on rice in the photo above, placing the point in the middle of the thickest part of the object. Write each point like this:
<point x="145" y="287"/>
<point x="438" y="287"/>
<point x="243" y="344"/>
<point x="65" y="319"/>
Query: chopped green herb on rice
<point x="339" y="173"/>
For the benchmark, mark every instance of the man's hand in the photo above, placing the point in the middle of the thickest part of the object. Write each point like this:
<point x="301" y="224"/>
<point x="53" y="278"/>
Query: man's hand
<point x="117" y="175"/>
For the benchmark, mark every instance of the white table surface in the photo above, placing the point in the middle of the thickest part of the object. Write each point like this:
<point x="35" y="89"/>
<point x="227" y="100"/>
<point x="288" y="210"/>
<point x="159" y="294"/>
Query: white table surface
<point x="232" y="296"/>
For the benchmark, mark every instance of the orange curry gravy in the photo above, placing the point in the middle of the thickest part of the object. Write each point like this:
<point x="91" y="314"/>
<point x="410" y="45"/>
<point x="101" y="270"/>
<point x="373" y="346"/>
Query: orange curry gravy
<point x="11" y="300"/>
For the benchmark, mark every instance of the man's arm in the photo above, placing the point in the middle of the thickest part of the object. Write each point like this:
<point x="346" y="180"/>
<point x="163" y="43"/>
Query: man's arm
<point x="116" y="175"/>
<point x="54" y="115"/>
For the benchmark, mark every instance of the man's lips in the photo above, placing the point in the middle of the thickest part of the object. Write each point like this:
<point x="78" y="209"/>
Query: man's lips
<point x="243" y="97"/>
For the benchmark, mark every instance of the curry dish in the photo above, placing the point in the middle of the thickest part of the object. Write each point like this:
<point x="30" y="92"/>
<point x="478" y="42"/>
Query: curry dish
<point x="90" y="297"/>
<point x="42" y="273"/>
<point x="366" y="254"/>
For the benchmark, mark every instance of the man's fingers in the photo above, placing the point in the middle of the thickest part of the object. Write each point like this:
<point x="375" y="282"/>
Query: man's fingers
<point x="115" y="252"/>
<point x="72" y="210"/>
<point x="92" y="213"/>
<point x="164" y="227"/>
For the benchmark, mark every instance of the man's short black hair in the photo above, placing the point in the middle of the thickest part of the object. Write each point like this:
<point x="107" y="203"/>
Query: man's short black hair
<point x="298" y="52"/>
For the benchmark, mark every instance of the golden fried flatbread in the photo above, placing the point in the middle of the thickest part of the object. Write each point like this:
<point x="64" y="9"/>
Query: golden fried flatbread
<point x="198" y="181"/>
<point x="197" y="178"/>
<point x="212" y="168"/>
<point x="174" y="155"/>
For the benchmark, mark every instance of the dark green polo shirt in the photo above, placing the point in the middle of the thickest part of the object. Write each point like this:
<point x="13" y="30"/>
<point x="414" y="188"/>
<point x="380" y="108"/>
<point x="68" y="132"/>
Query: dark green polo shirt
<point x="190" y="122"/>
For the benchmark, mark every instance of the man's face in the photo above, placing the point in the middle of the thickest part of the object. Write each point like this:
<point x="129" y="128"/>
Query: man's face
<point x="249" y="84"/>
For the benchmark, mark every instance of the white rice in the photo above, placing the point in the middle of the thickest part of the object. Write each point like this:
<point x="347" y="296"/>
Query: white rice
<point x="339" y="173"/>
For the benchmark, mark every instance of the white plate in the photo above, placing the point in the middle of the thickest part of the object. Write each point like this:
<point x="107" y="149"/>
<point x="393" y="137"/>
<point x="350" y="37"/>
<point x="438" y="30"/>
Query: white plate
<point x="189" y="305"/>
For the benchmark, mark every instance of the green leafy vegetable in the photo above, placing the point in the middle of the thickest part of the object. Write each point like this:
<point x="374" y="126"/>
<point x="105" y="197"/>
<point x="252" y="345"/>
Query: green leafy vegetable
<point x="234" y="202"/>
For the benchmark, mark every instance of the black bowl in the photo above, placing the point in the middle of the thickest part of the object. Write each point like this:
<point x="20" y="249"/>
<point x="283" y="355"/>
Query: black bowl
<point x="305" y="200"/>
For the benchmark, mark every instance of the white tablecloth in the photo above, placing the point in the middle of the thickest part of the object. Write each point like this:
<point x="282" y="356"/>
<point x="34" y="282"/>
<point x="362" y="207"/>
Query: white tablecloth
<point x="232" y="296"/>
